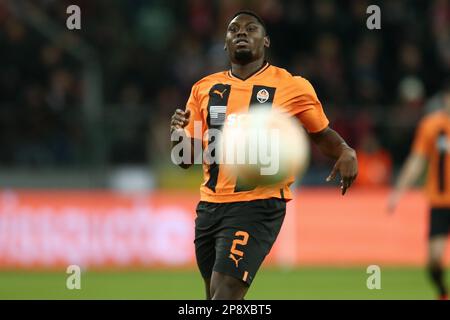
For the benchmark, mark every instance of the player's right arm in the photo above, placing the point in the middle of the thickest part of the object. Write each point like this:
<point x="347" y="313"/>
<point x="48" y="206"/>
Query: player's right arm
<point x="180" y="119"/>
<point x="183" y="127"/>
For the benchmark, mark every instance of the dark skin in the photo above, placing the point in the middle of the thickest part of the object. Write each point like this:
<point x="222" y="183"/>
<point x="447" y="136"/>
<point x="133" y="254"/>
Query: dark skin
<point x="246" y="37"/>
<point x="245" y="42"/>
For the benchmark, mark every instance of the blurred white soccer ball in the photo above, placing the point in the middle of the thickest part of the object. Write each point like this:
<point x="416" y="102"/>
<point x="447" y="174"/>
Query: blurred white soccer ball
<point x="264" y="147"/>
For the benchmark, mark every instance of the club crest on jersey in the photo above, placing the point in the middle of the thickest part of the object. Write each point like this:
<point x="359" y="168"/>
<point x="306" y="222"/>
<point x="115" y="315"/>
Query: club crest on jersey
<point x="262" y="95"/>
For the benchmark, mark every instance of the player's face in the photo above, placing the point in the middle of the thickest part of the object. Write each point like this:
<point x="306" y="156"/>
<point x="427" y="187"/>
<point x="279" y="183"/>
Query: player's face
<point x="245" y="39"/>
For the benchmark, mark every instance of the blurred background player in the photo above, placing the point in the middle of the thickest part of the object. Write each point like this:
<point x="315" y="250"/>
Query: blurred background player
<point x="236" y="225"/>
<point x="432" y="146"/>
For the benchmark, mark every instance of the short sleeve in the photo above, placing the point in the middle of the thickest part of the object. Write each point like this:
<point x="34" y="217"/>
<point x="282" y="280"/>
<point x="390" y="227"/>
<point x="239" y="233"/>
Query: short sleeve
<point x="307" y="107"/>
<point x="194" y="129"/>
<point x="421" y="144"/>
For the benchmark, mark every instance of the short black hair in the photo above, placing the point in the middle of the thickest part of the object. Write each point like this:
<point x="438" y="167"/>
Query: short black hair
<point x="253" y="14"/>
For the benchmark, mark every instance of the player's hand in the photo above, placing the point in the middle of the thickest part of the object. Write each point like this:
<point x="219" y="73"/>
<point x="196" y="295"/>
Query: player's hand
<point x="180" y="119"/>
<point x="347" y="166"/>
<point x="393" y="200"/>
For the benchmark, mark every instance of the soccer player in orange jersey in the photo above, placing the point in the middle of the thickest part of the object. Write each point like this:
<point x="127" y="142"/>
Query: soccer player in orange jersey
<point x="236" y="225"/>
<point x="432" y="146"/>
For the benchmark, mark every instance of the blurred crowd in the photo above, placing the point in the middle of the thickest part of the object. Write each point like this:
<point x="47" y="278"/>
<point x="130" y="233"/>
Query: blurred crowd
<point x="374" y="84"/>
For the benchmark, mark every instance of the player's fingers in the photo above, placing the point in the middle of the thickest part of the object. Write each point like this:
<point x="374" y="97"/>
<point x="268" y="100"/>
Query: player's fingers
<point x="348" y="176"/>
<point x="342" y="185"/>
<point x="181" y="117"/>
<point x="332" y="174"/>
<point x="178" y="121"/>
<point x="179" y="113"/>
<point x="350" y="180"/>
<point x="174" y="126"/>
<point x="181" y="124"/>
<point x="346" y="182"/>
<point x="178" y="118"/>
<point x="174" y="120"/>
<point x="185" y="122"/>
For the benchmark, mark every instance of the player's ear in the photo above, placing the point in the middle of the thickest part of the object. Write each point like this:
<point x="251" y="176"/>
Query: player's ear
<point x="266" y="41"/>
<point x="225" y="47"/>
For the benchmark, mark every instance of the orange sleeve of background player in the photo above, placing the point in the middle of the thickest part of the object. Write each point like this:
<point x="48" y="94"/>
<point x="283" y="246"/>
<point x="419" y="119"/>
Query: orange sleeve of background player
<point x="307" y="107"/>
<point x="193" y="105"/>
<point x="421" y="144"/>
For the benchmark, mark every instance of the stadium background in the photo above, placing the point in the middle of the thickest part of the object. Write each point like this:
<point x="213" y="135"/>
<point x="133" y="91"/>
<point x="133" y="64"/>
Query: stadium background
<point x="85" y="171"/>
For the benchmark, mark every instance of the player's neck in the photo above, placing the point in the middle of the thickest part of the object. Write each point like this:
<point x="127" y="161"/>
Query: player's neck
<point x="247" y="70"/>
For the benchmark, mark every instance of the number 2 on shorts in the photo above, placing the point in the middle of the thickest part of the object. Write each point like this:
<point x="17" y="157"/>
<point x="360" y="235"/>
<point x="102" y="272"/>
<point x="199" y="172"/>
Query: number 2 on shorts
<point x="241" y="242"/>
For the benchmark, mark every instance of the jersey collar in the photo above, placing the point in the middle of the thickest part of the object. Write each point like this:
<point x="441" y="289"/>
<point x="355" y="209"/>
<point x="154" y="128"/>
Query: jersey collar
<point x="264" y="67"/>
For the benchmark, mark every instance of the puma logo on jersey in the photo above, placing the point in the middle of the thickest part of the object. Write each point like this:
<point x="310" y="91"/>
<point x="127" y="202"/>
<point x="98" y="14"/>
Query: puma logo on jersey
<point x="236" y="261"/>
<point x="220" y="93"/>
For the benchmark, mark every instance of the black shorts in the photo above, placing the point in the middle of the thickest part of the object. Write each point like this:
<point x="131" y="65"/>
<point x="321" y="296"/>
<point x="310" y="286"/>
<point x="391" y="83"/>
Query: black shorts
<point x="439" y="222"/>
<point x="234" y="238"/>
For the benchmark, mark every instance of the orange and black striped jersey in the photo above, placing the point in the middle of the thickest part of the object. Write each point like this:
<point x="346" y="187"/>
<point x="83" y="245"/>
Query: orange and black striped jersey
<point x="433" y="142"/>
<point x="220" y="95"/>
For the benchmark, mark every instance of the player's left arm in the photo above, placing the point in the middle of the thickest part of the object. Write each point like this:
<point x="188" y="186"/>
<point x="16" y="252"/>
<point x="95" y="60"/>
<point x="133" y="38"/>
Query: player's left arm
<point x="308" y="109"/>
<point x="333" y="145"/>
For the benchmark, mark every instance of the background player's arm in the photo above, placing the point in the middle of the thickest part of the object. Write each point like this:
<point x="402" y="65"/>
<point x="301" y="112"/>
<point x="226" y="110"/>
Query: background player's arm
<point x="410" y="172"/>
<point x="415" y="162"/>
<point x="332" y="145"/>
